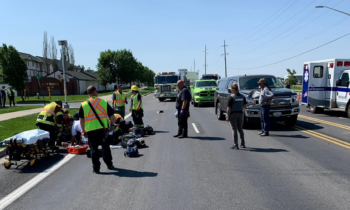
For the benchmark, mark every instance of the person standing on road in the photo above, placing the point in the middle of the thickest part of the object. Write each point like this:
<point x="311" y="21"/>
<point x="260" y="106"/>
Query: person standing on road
<point x="236" y="103"/>
<point x="119" y="101"/>
<point x="136" y="107"/>
<point x="265" y="99"/>
<point x="3" y="96"/>
<point x="183" y="108"/>
<point x="96" y="130"/>
<point x="11" y="96"/>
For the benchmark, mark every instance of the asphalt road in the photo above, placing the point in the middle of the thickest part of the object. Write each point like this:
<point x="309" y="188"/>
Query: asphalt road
<point x="293" y="168"/>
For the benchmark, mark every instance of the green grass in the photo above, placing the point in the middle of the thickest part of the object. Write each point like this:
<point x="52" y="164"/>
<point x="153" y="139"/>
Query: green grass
<point x="20" y="124"/>
<point x="143" y="91"/>
<point x="9" y="109"/>
<point x="296" y="87"/>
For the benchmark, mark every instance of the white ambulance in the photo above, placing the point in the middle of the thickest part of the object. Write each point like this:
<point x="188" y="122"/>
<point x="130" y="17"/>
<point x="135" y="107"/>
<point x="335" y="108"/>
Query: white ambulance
<point x="326" y="85"/>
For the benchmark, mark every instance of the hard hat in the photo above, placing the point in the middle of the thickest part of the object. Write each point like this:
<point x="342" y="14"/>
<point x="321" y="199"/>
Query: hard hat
<point x="134" y="88"/>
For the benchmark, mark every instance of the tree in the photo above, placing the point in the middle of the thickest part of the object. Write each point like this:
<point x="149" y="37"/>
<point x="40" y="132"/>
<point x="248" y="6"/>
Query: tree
<point x="46" y="47"/>
<point x="126" y="66"/>
<point x="291" y="80"/>
<point x="82" y="68"/>
<point x="53" y="53"/>
<point x="104" y="75"/>
<point x="13" y="67"/>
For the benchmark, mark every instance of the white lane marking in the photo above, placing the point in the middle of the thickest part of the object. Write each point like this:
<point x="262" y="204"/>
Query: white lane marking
<point x="127" y="116"/>
<point x="195" y="128"/>
<point x="10" y="198"/>
<point x="7" y="200"/>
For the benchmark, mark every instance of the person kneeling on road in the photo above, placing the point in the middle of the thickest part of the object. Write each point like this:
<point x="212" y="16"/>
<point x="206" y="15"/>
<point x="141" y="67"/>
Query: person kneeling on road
<point x="93" y="115"/>
<point x="236" y="103"/>
<point x="66" y="131"/>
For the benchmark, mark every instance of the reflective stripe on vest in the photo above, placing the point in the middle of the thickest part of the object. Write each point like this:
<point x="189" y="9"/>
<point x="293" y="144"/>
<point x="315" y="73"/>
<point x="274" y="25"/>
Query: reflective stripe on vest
<point x="120" y="99"/>
<point x="237" y="105"/>
<point x="48" y="111"/>
<point x="135" y="102"/>
<point x="91" y="121"/>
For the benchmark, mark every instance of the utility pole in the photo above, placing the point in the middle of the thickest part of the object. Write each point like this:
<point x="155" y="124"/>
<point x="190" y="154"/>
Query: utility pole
<point x="194" y="65"/>
<point x="225" y="58"/>
<point x="205" y="65"/>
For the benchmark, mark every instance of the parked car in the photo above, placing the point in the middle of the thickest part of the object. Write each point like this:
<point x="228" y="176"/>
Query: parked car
<point x="203" y="92"/>
<point x="284" y="106"/>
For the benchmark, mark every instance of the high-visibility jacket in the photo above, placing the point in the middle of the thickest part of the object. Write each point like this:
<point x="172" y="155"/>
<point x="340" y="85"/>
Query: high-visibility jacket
<point x="135" y="102"/>
<point x="49" y="116"/>
<point x="119" y="98"/>
<point x="117" y="116"/>
<point x="100" y="106"/>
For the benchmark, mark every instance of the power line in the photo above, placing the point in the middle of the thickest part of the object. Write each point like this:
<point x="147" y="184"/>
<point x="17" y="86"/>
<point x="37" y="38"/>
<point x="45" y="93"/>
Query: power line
<point x="296" y="55"/>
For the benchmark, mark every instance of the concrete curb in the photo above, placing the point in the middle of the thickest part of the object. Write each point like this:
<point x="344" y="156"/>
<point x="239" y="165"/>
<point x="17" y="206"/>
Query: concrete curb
<point x="2" y="152"/>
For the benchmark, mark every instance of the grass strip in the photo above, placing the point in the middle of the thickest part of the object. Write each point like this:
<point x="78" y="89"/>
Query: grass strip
<point x="9" y="109"/>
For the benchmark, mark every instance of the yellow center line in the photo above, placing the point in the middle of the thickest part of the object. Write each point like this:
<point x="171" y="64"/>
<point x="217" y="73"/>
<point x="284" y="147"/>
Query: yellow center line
<point x="324" y="137"/>
<point x="325" y="122"/>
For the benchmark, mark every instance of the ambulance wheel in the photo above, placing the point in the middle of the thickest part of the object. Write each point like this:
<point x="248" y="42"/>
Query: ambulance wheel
<point x="348" y="111"/>
<point x="7" y="165"/>
<point x="313" y="109"/>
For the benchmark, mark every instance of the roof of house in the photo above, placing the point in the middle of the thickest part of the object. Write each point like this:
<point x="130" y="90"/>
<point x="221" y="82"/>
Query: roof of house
<point x="27" y="56"/>
<point x="76" y="75"/>
<point x="92" y="74"/>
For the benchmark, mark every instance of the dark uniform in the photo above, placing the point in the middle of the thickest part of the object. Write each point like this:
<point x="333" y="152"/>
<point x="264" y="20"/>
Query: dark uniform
<point x="236" y="102"/>
<point x="183" y="95"/>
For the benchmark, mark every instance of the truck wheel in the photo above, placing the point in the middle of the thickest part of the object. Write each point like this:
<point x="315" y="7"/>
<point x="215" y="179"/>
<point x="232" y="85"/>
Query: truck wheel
<point x="292" y="121"/>
<point x="161" y="99"/>
<point x="219" y="113"/>
<point x="245" y="123"/>
<point x="348" y="111"/>
<point x="195" y="104"/>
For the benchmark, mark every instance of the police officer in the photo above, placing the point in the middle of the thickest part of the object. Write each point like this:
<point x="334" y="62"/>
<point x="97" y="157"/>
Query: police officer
<point x="50" y="119"/>
<point x="119" y="101"/>
<point x="136" y="107"/>
<point x="94" y="131"/>
<point x="183" y="108"/>
<point x="236" y="103"/>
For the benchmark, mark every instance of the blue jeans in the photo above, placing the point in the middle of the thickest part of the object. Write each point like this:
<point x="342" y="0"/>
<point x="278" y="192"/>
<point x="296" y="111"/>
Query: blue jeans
<point x="265" y="118"/>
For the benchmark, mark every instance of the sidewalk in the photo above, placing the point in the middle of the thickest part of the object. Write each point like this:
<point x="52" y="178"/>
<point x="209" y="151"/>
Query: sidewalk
<point x="11" y="115"/>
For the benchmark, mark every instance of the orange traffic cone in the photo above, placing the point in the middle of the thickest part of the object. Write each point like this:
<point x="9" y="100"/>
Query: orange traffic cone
<point x="299" y="96"/>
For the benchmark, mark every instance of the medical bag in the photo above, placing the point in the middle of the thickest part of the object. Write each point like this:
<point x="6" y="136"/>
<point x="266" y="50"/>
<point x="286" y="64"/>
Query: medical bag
<point x="131" y="152"/>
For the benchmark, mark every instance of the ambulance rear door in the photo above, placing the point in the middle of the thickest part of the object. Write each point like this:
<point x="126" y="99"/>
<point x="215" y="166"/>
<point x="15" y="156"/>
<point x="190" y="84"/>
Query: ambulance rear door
<point x="318" y="84"/>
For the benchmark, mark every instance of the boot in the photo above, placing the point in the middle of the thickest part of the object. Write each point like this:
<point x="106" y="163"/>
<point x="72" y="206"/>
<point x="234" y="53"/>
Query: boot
<point x="183" y="136"/>
<point x="177" y="135"/>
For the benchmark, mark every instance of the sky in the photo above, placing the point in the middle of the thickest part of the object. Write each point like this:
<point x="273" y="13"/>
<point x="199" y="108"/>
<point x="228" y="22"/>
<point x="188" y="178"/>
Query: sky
<point x="171" y="35"/>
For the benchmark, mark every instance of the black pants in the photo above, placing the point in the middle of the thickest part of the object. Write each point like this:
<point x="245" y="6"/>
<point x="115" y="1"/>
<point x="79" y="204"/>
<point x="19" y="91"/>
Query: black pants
<point x="137" y="118"/>
<point x="52" y="130"/>
<point x="12" y="100"/>
<point x="182" y="123"/>
<point x="3" y="101"/>
<point x="95" y="139"/>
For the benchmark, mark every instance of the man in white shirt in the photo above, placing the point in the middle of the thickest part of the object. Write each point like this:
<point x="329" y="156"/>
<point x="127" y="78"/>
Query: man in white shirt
<point x="77" y="132"/>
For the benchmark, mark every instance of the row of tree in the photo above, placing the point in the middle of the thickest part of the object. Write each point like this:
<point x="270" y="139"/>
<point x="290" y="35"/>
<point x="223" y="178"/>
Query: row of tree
<point x="122" y="67"/>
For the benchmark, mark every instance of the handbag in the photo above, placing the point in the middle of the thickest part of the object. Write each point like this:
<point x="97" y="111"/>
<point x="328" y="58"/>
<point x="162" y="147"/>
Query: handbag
<point x="99" y="120"/>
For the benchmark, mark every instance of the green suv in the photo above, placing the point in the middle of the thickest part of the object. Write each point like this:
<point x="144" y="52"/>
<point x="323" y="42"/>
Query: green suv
<point x="203" y="92"/>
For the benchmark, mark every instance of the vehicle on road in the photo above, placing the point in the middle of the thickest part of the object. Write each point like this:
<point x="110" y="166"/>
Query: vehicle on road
<point x="203" y="92"/>
<point x="189" y="77"/>
<point x="326" y="85"/>
<point x="284" y="106"/>
<point x="165" y="85"/>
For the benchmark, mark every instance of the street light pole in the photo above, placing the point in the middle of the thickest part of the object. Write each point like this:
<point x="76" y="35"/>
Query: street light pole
<point x="333" y="9"/>
<point x="63" y="43"/>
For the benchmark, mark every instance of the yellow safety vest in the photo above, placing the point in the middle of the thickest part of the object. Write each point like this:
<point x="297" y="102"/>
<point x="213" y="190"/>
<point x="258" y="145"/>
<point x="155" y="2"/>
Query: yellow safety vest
<point x="100" y="106"/>
<point x="48" y="115"/>
<point x="117" y="116"/>
<point x="135" y="102"/>
<point x="120" y="99"/>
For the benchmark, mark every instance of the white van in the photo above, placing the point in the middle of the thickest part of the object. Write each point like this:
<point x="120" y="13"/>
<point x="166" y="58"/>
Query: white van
<point x="326" y="85"/>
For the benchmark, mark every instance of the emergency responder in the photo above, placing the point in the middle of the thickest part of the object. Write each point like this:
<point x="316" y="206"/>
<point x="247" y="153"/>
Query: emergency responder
<point x="136" y="107"/>
<point x="265" y="99"/>
<point x="66" y="131"/>
<point x="97" y="130"/>
<point x="50" y="119"/>
<point x="76" y="130"/>
<point x="118" y="131"/>
<point x="119" y="101"/>
<point x="3" y="96"/>
<point x="235" y="105"/>
<point x="183" y="107"/>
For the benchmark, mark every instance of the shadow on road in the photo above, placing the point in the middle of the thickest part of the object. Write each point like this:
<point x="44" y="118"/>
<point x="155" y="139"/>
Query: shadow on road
<point x="160" y="131"/>
<point x="207" y="138"/>
<point x="291" y="136"/>
<point x="267" y="150"/>
<point x="40" y="165"/>
<point x="205" y="105"/>
<point x="129" y="173"/>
